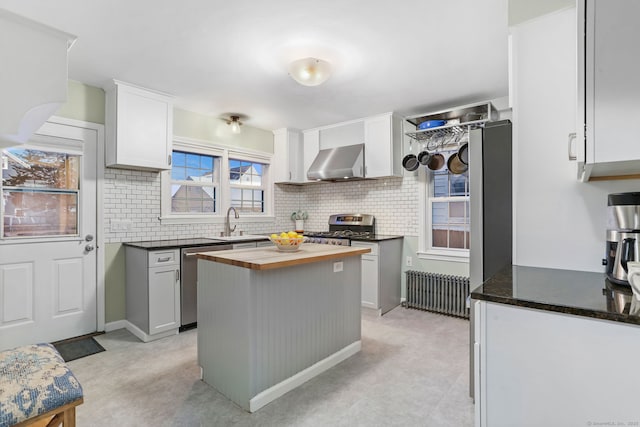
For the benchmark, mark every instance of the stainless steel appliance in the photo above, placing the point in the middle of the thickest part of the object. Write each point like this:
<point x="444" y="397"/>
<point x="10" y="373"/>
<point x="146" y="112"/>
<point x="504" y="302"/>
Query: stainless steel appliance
<point x="189" y="284"/>
<point x="490" y="193"/>
<point x="343" y="227"/>
<point x="618" y="297"/>
<point x="623" y="241"/>
<point x="338" y="164"/>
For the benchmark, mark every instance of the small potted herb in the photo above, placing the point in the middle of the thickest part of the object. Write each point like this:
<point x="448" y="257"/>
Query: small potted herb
<point x="299" y="216"/>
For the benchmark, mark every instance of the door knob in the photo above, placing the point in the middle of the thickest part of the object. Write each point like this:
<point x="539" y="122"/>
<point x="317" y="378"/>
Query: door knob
<point x="89" y="248"/>
<point x="89" y="237"/>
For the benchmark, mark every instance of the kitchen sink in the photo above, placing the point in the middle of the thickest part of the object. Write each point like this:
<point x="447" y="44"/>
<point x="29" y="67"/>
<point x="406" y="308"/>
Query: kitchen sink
<point x="240" y="238"/>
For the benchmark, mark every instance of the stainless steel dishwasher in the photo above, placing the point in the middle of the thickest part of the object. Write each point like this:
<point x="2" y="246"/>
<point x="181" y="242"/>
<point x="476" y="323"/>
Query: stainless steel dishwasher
<point x="189" y="284"/>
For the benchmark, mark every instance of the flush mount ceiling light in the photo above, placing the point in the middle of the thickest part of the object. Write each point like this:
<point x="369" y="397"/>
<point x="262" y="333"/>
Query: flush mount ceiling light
<point x="235" y="123"/>
<point x="310" y="71"/>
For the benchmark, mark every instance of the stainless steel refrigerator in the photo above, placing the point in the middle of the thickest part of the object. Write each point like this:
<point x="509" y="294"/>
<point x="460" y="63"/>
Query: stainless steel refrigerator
<point x="491" y="209"/>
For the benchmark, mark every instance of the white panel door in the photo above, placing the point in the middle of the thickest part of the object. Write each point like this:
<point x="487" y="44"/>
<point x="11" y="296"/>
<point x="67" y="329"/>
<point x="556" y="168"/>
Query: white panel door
<point x="48" y="282"/>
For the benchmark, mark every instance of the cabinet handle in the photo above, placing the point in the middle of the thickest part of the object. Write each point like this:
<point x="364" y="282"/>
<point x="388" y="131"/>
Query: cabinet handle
<point x="177" y="275"/>
<point x="165" y="259"/>
<point x="289" y="175"/>
<point x="169" y="159"/>
<point x="572" y="152"/>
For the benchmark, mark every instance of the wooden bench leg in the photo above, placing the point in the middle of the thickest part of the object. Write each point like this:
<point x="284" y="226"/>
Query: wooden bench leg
<point x="69" y="417"/>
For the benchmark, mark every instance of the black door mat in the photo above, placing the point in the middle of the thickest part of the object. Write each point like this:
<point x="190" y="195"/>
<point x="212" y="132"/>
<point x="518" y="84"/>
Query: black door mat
<point x="77" y="348"/>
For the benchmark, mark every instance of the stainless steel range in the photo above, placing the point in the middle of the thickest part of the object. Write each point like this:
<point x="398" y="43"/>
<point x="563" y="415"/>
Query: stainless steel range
<point x="343" y="227"/>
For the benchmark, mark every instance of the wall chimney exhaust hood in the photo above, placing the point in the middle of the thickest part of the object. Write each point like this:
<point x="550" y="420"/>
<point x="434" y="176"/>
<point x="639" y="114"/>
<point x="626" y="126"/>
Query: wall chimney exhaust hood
<point x="338" y="164"/>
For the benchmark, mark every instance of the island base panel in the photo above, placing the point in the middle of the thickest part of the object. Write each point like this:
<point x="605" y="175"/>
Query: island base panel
<point x="259" y="331"/>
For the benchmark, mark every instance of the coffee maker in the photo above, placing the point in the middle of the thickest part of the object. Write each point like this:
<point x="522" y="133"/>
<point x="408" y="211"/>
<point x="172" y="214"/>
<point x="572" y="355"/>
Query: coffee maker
<point x="623" y="241"/>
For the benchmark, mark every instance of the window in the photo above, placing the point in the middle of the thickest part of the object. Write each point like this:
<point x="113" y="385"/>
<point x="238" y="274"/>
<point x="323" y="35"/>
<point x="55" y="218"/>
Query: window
<point x="40" y="192"/>
<point x="195" y="183"/>
<point x="446" y="212"/>
<point x="206" y="179"/>
<point x="246" y="183"/>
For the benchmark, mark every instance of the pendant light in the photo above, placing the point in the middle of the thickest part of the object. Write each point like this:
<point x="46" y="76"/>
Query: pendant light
<point x="310" y="71"/>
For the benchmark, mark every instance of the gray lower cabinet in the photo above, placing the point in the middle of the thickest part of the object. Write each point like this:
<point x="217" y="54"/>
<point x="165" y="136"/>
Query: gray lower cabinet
<point x="153" y="292"/>
<point x="381" y="274"/>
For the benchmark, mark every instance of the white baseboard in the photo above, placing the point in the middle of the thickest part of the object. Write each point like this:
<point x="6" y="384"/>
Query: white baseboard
<point x="274" y="392"/>
<point x="144" y="337"/>
<point x="112" y="326"/>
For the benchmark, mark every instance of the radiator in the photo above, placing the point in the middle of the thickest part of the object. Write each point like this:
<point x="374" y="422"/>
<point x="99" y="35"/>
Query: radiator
<point x="438" y="293"/>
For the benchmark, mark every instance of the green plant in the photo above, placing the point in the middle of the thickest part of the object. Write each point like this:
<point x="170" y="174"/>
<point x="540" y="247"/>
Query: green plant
<point x="299" y="214"/>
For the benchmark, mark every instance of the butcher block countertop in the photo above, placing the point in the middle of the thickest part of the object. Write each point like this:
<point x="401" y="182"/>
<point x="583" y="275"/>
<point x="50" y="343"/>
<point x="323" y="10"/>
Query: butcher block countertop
<point x="267" y="258"/>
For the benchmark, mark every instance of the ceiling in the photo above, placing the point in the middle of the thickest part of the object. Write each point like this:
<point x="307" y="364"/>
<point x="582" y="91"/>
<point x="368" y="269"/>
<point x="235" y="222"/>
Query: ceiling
<point x="217" y="58"/>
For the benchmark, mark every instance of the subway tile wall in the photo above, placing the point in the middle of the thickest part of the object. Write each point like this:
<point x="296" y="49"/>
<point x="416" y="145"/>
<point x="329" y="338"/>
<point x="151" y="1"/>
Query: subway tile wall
<point x="393" y="201"/>
<point x="132" y="207"/>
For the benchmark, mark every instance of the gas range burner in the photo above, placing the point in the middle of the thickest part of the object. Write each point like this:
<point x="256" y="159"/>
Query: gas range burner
<point x="338" y="234"/>
<point x="344" y="227"/>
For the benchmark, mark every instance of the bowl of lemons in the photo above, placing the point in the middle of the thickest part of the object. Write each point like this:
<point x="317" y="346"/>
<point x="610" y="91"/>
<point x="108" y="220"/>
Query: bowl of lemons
<point x="287" y="241"/>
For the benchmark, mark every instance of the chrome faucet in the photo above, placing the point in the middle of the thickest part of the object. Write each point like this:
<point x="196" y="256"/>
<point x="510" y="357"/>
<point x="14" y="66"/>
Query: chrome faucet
<point x="227" y="223"/>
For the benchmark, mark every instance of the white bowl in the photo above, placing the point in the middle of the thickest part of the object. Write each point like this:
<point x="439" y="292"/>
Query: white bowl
<point x="287" y="244"/>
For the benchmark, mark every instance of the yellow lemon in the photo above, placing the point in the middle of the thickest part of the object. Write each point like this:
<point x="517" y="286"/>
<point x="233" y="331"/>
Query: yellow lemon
<point x="293" y="234"/>
<point x="274" y="236"/>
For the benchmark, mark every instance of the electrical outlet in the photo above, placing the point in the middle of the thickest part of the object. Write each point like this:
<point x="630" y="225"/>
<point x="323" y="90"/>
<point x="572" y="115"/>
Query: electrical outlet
<point x="409" y="261"/>
<point x="338" y="266"/>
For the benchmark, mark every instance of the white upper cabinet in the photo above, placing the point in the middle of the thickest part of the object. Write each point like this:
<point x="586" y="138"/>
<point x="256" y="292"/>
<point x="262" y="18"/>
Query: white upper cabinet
<point x="342" y="134"/>
<point x="609" y="88"/>
<point x="294" y="152"/>
<point x="382" y="146"/>
<point x="287" y="162"/>
<point x="33" y="76"/>
<point x="311" y="146"/>
<point x="139" y="128"/>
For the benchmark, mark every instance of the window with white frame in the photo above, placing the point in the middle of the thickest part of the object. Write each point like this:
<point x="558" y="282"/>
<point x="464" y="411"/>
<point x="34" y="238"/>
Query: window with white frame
<point x="195" y="183"/>
<point x="446" y="213"/>
<point x="247" y="185"/>
<point x="206" y="179"/>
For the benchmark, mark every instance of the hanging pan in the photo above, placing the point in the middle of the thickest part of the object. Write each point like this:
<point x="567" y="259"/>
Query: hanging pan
<point x="463" y="153"/>
<point x="436" y="161"/>
<point x="455" y="165"/>
<point x="410" y="161"/>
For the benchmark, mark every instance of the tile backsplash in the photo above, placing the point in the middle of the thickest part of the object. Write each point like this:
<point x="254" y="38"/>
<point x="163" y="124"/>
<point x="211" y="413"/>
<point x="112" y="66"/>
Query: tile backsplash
<point x="393" y="201"/>
<point x="132" y="207"/>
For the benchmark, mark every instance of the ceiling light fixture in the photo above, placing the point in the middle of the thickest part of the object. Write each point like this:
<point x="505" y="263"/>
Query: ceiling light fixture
<point x="310" y="71"/>
<point x="235" y="123"/>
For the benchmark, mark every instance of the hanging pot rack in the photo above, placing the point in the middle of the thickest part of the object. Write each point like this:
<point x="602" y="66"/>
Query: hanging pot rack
<point x="458" y="122"/>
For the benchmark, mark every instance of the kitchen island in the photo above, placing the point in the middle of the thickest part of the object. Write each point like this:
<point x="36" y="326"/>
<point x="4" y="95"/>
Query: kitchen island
<point x="269" y="321"/>
<point x="555" y="347"/>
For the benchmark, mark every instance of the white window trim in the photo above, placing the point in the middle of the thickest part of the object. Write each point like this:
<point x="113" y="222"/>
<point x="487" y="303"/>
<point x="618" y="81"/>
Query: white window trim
<point x="424" y="230"/>
<point x="224" y="152"/>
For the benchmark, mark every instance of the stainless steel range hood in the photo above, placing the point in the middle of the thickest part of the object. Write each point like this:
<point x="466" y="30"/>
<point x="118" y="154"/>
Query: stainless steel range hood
<point x="338" y="164"/>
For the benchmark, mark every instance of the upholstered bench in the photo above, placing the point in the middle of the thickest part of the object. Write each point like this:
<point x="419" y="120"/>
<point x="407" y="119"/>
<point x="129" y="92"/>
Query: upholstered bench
<point x="37" y="388"/>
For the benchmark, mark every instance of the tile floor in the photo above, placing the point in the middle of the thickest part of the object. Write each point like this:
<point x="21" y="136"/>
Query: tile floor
<point x="412" y="371"/>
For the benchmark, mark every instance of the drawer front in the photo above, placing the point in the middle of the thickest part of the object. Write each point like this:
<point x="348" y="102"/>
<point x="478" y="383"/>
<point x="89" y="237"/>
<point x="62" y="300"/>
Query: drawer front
<point x="160" y="258"/>
<point x="372" y="246"/>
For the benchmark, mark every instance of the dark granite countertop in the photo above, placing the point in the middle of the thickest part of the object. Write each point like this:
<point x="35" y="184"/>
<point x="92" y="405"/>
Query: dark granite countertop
<point x="578" y="293"/>
<point x="175" y="243"/>
<point x="376" y="238"/>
